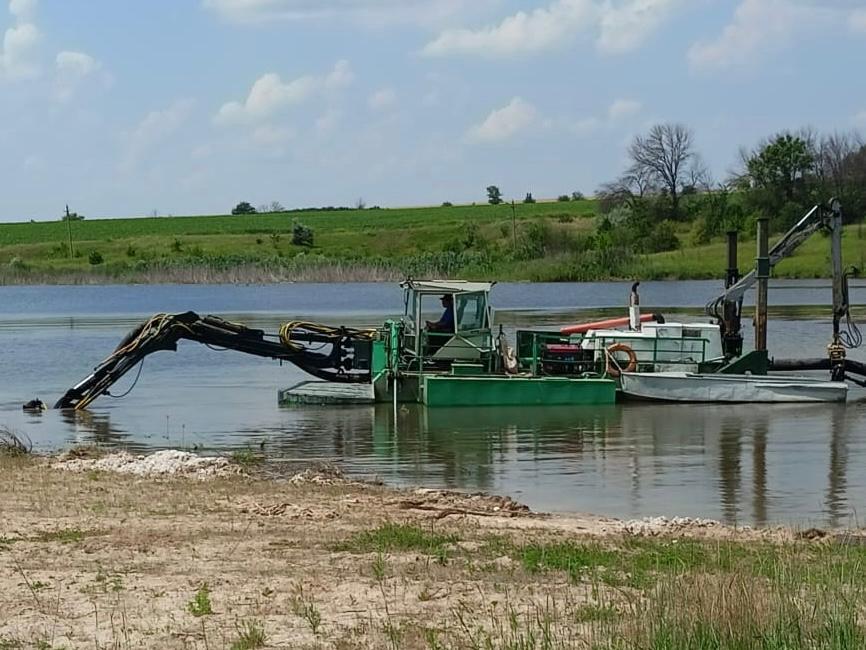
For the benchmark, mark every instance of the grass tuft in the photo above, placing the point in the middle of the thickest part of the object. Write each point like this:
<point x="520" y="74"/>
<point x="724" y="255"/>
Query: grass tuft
<point x="246" y="458"/>
<point x="571" y="557"/>
<point x="251" y="635"/>
<point x="392" y="537"/>
<point x="200" y="605"/>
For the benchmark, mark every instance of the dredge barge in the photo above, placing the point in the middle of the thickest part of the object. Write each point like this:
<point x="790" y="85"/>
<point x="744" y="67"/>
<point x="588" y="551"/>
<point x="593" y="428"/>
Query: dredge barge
<point x="465" y="359"/>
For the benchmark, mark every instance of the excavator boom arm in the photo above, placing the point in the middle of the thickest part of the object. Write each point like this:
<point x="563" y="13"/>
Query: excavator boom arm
<point x="344" y="362"/>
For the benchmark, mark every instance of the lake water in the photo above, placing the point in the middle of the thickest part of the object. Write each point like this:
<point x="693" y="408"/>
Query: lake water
<point x="803" y="464"/>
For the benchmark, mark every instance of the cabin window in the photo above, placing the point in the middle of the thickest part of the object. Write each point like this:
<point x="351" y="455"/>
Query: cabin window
<point x="471" y="312"/>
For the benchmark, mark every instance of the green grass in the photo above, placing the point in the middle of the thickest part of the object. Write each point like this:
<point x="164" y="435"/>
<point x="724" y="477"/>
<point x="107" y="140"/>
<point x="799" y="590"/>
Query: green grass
<point x="662" y="594"/>
<point x="812" y="259"/>
<point x="390" y="537"/>
<point x="251" y="635"/>
<point x="246" y="458"/>
<point x="387" y="243"/>
<point x="200" y="605"/>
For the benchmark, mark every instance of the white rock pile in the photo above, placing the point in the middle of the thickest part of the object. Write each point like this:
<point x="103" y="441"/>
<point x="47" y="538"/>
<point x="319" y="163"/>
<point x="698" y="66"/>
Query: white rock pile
<point x="170" y="462"/>
<point x="653" y="526"/>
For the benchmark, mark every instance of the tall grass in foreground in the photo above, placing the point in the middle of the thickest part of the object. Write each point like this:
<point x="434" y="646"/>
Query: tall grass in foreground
<point x="652" y="595"/>
<point x="685" y="612"/>
<point x="738" y="612"/>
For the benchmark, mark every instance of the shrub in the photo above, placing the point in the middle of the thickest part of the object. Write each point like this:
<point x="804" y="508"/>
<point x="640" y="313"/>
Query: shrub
<point x="243" y="208"/>
<point x="533" y="241"/>
<point x="661" y="238"/>
<point x="301" y="235"/>
<point x="95" y="258"/>
<point x="563" y="198"/>
<point x="447" y="204"/>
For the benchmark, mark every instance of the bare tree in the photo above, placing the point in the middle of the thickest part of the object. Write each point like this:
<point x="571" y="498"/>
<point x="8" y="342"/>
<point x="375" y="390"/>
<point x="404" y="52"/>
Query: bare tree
<point x="628" y="189"/>
<point x="276" y="206"/>
<point x="666" y="155"/>
<point x="834" y="157"/>
<point x="699" y="175"/>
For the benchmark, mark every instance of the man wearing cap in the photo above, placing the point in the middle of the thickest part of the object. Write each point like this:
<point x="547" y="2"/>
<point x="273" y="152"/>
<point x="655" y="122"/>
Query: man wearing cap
<point x="446" y="322"/>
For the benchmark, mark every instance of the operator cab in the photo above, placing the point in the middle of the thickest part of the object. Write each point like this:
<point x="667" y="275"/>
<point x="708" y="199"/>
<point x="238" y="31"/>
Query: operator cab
<point x="467" y="338"/>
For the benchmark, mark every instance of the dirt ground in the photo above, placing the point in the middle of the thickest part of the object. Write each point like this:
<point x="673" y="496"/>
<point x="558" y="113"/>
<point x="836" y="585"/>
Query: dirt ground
<point x="99" y="559"/>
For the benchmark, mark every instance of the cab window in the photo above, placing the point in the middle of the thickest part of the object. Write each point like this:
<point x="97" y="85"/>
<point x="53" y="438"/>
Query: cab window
<point x="471" y="312"/>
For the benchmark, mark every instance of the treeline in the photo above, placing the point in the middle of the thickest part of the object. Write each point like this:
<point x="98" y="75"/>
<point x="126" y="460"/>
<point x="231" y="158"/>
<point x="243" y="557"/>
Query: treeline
<point x="667" y="185"/>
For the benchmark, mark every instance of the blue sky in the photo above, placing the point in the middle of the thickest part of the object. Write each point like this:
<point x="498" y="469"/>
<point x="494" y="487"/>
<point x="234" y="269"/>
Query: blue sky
<point x="189" y="106"/>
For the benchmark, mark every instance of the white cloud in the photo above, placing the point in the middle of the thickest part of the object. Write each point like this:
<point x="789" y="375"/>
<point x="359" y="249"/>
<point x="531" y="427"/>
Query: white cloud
<point x="23" y="10"/>
<point x="619" y="111"/>
<point x="521" y="33"/>
<point x="617" y="27"/>
<point x="20" y="43"/>
<point x="270" y="95"/>
<point x="625" y="27"/>
<point x="382" y="99"/>
<point x="369" y="11"/>
<point x="504" y="123"/>
<point x="155" y="128"/>
<point x="760" y="27"/>
<point x="72" y="69"/>
<point x="622" y="108"/>
<point x="857" y="21"/>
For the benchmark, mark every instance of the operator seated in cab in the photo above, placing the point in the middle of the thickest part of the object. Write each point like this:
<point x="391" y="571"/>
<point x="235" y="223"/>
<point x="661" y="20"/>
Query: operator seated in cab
<point x="446" y="323"/>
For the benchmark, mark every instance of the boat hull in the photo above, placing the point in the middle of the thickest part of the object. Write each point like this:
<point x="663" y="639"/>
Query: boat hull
<point x="735" y="389"/>
<point x="447" y="390"/>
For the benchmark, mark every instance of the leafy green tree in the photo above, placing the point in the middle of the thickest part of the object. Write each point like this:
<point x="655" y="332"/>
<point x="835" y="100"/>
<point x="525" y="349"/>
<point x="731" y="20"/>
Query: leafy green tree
<point x="779" y="178"/>
<point x="529" y="198"/>
<point x="302" y="235"/>
<point x="782" y="166"/>
<point x="494" y="196"/>
<point x="243" y="208"/>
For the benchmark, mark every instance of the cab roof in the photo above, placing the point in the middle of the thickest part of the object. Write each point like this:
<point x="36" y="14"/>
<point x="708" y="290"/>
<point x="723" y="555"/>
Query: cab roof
<point x="446" y="286"/>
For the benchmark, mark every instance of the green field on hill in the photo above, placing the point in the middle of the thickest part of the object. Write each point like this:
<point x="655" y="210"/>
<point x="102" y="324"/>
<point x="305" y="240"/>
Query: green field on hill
<point x="546" y="241"/>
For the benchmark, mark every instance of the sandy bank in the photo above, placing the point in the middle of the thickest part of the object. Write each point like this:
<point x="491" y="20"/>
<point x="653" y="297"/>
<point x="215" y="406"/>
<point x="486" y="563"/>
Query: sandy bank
<point x="132" y="552"/>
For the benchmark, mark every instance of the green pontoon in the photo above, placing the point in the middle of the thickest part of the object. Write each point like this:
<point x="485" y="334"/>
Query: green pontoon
<point x="465" y="364"/>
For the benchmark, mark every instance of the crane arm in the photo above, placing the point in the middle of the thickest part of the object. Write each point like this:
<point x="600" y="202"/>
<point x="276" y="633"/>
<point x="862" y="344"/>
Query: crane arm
<point x="820" y="217"/>
<point x="344" y="360"/>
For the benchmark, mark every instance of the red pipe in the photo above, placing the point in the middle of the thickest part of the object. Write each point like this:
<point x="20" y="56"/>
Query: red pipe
<point x="604" y="324"/>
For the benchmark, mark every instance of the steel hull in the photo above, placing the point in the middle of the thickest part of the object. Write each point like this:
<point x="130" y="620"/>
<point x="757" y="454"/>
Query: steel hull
<point x="722" y="388"/>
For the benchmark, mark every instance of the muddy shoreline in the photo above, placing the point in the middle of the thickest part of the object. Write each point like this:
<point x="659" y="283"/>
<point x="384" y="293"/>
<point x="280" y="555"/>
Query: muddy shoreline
<point x="225" y="554"/>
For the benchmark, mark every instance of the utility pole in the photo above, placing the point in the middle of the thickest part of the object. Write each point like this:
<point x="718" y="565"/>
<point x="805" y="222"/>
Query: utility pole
<point x="763" y="275"/>
<point x="69" y="231"/>
<point x="514" y="224"/>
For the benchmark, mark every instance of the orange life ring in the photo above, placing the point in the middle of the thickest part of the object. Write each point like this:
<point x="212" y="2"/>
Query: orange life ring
<point x="612" y="369"/>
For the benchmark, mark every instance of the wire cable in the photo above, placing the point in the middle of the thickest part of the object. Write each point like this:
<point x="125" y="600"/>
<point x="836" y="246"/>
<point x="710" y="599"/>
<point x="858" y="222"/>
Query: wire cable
<point x="135" y="381"/>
